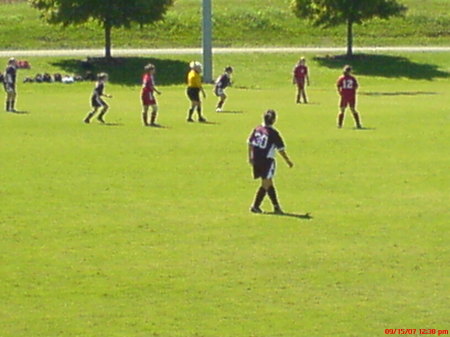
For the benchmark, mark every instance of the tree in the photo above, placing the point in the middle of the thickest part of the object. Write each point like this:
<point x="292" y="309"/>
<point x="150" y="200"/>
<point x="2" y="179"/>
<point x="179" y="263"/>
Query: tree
<point x="327" y="13"/>
<point x="108" y="13"/>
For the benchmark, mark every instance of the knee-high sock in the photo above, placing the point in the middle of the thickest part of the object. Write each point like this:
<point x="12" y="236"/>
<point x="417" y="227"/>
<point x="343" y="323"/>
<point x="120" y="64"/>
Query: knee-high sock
<point x="260" y="194"/>
<point x="273" y="195"/>
<point x="190" y="112"/>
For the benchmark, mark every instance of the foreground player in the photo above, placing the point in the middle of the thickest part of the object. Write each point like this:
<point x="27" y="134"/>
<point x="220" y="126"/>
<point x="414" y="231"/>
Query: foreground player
<point x="194" y="82"/>
<point x="301" y="78"/>
<point x="262" y="143"/>
<point x="147" y="96"/>
<point x="347" y="86"/>
<point x="97" y="101"/>
<point x="10" y="85"/>
<point x="222" y="82"/>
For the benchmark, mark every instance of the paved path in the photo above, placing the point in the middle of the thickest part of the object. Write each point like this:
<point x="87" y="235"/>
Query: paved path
<point x="180" y="51"/>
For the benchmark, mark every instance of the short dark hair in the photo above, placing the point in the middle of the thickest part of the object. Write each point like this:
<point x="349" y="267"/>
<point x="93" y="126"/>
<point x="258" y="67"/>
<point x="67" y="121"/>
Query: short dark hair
<point x="270" y="117"/>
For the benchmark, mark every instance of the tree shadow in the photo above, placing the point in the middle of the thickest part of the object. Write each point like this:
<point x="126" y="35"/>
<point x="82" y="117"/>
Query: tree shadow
<point x="384" y="65"/>
<point x="127" y="70"/>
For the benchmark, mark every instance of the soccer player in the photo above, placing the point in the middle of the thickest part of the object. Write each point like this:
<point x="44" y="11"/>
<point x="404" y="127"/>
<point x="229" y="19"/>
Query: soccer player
<point x="10" y="84"/>
<point x="262" y="143"/>
<point x="147" y="96"/>
<point x="97" y="101"/>
<point x="347" y="86"/>
<point x="194" y="83"/>
<point x="301" y="78"/>
<point x="222" y="82"/>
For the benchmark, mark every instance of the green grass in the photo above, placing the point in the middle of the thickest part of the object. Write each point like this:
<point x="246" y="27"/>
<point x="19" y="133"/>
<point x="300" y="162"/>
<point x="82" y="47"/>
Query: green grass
<point x="123" y="230"/>
<point x="236" y="23"/>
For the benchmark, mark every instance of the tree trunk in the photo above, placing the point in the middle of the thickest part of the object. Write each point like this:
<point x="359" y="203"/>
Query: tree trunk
<point x="349" y="38"/>
<point x="108" y="29"/>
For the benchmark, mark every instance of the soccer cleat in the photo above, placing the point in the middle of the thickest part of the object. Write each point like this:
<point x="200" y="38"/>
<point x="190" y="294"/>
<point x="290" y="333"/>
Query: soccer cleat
<point x="190" y="120"/>
<point x="202" y="120"/>
<point x="254" y="209"/>
<point x="277" y="210"/>
<point x="101" y="120"/>
<point x="86" y="120"/>
<point x="218" y="110"/>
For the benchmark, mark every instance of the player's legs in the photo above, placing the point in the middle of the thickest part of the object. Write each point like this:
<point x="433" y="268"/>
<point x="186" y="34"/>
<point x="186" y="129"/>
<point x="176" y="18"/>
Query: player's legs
<point x="340" y="117"/>
<point x="91" y="114"/>
<point x="268" y="185"/>
<point x="154" y="114"/>
<point x="297" y="93"/>
<point x="102" y="113"/>
<point x="356" y="117"/>
<point x="342" y="106"/>
<point x="222" y="99"/>
<point x="145" y="114"/>
<point x="10" y="100"/>
<point x="191" y="110"/>
<point x="303" y="94"/>
<point x="199" y="112"/>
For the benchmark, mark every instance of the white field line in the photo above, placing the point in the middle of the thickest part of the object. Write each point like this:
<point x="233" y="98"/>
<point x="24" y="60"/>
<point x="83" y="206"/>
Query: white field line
<point x="198" y="51"/>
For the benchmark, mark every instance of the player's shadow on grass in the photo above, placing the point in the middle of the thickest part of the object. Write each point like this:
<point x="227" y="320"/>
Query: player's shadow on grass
<point x="111" y="124"/>
<point x="127" y="70"/>
<point x="230" y="112"/>
<point x="383" y="65"/>
<point x="305" y="216"/>
<point x="20" y="112"/>
<point x="398" y="93"/>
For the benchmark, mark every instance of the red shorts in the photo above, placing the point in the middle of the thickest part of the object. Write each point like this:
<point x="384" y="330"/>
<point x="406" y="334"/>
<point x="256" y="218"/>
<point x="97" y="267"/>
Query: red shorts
<point x="300" y="82"/>
<point x="148" y="98"/>
<point x="347" y="101"/>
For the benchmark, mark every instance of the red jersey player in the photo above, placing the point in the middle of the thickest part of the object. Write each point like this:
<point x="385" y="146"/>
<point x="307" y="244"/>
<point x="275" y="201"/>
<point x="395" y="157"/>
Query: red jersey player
<point x="148" y="97"/>
<point x="347" y="86"/>
<point x="301" y="78"/>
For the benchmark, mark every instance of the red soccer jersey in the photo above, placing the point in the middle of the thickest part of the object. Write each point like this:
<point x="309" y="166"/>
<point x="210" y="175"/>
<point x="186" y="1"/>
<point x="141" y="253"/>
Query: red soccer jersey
<point x="300" y="72"/>
<point x="347" y="85"/>
<point x="148" y="83"/>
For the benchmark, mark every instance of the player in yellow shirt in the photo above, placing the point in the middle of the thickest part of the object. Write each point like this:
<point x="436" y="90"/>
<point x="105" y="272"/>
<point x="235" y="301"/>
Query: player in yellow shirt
<point x="194" y="83"/>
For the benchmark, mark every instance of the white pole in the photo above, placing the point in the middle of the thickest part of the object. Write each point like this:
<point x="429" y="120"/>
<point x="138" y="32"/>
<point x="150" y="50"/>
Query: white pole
<point x="207" y="42"/>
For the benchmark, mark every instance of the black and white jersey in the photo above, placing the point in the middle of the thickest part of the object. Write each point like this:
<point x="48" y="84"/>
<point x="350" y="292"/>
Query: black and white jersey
<point x="264" y="141"/>
<point x="223" y="81"/>
<point x="98" y="90"/>
<point x="10" y="76"/>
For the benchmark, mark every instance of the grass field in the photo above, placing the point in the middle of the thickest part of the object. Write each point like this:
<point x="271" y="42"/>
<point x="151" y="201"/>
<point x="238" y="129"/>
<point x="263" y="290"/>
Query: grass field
<point x="122" y="230"/>
<point x="236" y="23"/>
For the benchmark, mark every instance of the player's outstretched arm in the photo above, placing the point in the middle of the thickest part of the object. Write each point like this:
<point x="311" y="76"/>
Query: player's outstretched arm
<point x="286" y="158"/>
